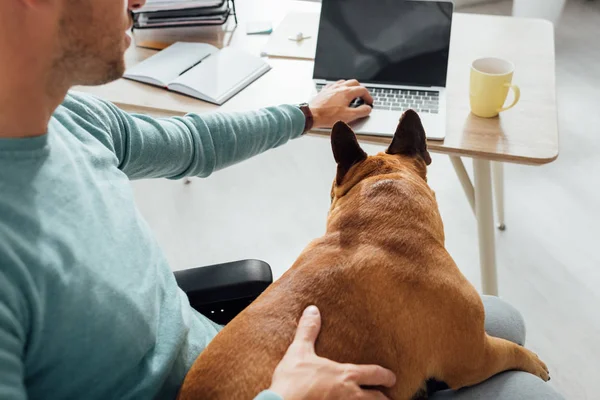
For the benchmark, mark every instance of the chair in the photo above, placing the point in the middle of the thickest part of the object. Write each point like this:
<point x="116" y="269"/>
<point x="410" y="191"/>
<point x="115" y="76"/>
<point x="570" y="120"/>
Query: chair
<point x="222" y="291"/>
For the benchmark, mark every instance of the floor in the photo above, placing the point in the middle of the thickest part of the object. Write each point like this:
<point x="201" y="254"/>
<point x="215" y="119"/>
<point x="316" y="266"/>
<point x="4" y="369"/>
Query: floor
<point x="549" y="265"/>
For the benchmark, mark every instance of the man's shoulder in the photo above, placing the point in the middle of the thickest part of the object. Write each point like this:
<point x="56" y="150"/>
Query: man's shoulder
<point x="81" y="106"/>
<point x="84" y="114"/>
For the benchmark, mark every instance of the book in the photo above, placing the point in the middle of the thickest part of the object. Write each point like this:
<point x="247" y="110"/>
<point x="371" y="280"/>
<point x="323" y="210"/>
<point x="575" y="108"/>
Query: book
<point x="200" y="70"/>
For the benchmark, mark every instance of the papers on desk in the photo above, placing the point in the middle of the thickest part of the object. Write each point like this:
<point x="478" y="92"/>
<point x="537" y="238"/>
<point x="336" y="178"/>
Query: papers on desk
<point x="200" y="70"/>
<point x="170" y="14"/>
<point x="145" y="21"/>
<point x="165" y="5"/>
<point x="161" y="23"/>
<point x="280" y="45"/>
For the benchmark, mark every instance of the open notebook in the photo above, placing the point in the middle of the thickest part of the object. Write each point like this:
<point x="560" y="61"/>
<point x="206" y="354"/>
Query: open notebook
<point x="200" y="70"/>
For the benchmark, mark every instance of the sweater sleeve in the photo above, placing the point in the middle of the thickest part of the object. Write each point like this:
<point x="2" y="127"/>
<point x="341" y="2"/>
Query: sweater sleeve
<point x="193" y="145"/>
<point x="12" y="338"/>
<point x="268" y="395"/>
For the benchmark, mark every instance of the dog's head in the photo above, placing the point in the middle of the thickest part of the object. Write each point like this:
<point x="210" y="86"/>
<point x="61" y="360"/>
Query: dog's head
<point x="407" y="153"/>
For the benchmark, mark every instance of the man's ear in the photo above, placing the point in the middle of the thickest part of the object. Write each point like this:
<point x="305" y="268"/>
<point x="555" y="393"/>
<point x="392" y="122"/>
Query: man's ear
<point x="346" y="149"/>
<point x="410" y="139"/>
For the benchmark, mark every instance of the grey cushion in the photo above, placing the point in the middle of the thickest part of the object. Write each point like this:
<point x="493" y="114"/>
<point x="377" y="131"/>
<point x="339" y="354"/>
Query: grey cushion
<point x="510" y="385"/>
<point x="504" y="321"/>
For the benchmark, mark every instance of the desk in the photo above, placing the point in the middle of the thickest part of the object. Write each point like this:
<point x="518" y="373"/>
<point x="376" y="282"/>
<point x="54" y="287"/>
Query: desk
<point x="527" y="134"/>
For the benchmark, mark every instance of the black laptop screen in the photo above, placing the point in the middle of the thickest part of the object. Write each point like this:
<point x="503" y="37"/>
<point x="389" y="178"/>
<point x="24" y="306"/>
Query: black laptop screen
<point x="384" y="41"/>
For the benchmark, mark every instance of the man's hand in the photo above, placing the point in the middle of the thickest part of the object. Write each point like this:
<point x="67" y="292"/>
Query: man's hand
<point x="332" y="104"/>
<point x="302" y="375"/>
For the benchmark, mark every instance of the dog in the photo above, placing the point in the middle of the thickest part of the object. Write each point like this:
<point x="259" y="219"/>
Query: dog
<point x="389" y="292"/>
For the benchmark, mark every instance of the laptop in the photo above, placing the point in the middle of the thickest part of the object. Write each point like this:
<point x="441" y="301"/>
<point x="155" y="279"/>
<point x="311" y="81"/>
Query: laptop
<point x="398" y="49"/>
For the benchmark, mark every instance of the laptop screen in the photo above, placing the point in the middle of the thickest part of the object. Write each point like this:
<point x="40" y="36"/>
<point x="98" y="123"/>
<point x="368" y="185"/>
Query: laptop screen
<point x="401" y="42"/>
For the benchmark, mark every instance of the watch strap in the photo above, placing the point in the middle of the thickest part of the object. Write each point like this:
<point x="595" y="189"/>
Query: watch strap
<point x="308" y="117"/>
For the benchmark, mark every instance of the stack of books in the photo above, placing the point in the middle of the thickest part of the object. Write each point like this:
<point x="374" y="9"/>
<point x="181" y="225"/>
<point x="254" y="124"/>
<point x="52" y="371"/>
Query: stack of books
<point x="182" y="13"/>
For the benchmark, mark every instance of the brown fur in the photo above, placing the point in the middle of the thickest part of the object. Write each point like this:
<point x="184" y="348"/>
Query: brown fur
<point x="388" y="291"/>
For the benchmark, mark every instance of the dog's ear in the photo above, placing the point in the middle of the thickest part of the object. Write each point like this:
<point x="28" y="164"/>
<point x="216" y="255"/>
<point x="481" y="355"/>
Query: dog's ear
<point x="346" y="149"/>
<point x="410" y="138"/>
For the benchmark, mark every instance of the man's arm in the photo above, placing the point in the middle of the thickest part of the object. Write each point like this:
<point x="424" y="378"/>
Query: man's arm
<point x="197" y="145"/>
<point x="193" y="145"/>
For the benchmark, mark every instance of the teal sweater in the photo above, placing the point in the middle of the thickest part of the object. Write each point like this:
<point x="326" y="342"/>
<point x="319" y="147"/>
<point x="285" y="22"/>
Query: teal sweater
<point x="89" y="308"/>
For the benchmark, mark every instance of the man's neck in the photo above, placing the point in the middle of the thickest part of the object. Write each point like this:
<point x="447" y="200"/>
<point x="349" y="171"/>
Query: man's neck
<point x="31" y="86"/>
<point x="27" y="102"/>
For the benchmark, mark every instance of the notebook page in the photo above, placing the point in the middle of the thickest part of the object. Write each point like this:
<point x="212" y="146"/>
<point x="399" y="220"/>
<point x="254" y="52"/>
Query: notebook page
<point x="168" y="64"/>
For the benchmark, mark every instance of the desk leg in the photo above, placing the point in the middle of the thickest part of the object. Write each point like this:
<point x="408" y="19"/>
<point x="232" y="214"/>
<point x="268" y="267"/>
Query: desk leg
<point x="485" y="225"/>
<point x="498" y="179"/>
<point x="464" y="179"/>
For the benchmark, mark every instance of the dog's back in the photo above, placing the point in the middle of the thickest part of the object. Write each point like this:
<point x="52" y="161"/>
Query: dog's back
<point x="372" y="276"/>
<point x="371" y="315"/>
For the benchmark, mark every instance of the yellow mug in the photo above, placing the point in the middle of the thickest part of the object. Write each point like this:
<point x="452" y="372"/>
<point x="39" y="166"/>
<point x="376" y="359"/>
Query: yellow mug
<point x="490" y="80"/>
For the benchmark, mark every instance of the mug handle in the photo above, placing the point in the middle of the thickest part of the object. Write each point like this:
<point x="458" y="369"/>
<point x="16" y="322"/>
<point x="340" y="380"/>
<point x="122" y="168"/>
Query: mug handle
<point x="517" y="91"/>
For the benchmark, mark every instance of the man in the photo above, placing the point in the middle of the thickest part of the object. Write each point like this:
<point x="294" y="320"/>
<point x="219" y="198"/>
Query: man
<point x="88" y="305"/>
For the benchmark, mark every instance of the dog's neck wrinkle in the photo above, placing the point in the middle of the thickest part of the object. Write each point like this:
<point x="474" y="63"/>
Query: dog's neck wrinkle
<point x="351" y="223"/>
<point x="345" y="187"/>
<point x="352" y="177"/>
<point x="355" y="179"/>
<point x="349" y="229"/>
<point x="365" y="178"/>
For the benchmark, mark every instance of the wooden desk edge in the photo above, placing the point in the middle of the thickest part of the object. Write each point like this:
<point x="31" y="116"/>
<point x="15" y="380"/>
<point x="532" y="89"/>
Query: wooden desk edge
<point x="434" y="147"/>
<point x="535" y="161"/>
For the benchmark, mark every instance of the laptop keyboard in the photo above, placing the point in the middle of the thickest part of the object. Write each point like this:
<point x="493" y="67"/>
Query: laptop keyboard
<point x="424" y="101"/>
